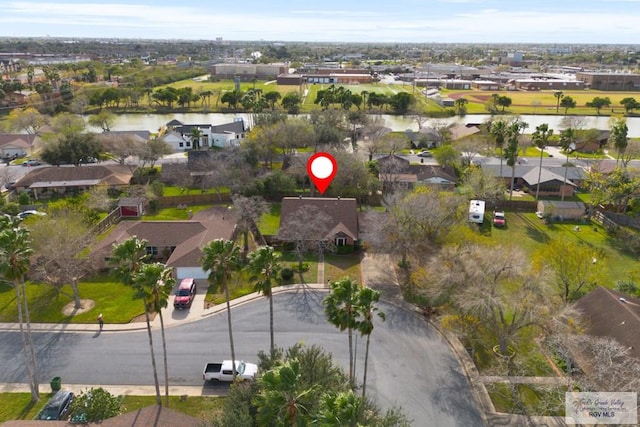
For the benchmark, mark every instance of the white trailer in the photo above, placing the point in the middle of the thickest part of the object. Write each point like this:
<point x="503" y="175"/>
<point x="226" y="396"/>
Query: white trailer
<point x="476" y="211"/>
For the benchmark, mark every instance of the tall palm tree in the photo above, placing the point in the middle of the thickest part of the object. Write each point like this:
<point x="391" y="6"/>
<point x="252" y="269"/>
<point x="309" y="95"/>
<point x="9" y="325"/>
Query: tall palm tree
<point x="15" y="256"/>
<point x="559" y="95"/>
<point x="498" y="130"/>
<point x="264" y="264"/>
<point x="340" y="309"/>
<point x="541" y="139"/>
<point x="567" y="139"/>
<point x="154" y="282"/>
<point x="514" y="130"/>
<point x="220" y="258"/>
<point x="366" y="307"/>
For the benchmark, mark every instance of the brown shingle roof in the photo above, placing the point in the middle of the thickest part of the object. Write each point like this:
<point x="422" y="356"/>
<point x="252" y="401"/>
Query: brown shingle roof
<point x="342" y="211"/>
<point x="105" y="174"/>
<point x="188" y="237"/>
<point x="16" y="139"/>
<point x="608" y="316"/>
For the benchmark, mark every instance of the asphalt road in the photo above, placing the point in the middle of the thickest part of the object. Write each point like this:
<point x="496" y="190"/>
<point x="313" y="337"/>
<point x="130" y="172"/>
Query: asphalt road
<point x="410" y="365"/>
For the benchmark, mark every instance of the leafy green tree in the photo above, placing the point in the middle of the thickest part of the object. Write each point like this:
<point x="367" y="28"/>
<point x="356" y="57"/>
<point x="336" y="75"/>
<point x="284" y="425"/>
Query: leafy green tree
<point x="291" y="101"/>
<point x="15" y="261"/>
<point x="566" y="103"/>
<point x="577" y="268"/>
<point x="196" y="138"/>
<point x="400" y="102"/>
<point x="272" y="98"/>
<point x="559" y="95"/>
<point x="232" y="98"/>
<point x="367" y="307"/>
<point x="29" y="120"/>
<point x="94" y="406"/>
<point x="264" y="267"/>
<point x="103" y="119"/>
<point x="504" y="101"/>
<point x="599" y="103"/>
<point x="540" y="139"/>
<point x="340" y="307"/>
<point x="629" y="104"/>
<point x="221" y="257"/>
<point x="446" y="155"/>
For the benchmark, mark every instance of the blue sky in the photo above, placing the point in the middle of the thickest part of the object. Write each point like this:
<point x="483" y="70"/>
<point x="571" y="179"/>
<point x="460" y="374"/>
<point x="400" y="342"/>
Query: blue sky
<point x="420" y="21"/>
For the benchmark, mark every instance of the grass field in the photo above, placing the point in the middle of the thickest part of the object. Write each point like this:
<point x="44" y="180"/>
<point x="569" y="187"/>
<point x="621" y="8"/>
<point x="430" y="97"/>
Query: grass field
<point x="18" y="406"/>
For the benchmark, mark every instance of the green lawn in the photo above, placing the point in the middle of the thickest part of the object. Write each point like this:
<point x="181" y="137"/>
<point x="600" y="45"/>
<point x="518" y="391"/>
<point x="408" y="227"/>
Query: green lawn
<point x="339" y="266"/>
<point x="174" y="214"/>
<point x="18" y="406"/>
<point x="118" y="303"/>
<point x="270" y="221"/>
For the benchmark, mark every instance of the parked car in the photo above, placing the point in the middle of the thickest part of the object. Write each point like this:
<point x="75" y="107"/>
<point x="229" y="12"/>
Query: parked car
<point x="425" y="153"/>
<point x="31" y="162"/>
<point x="58" y="407"/>
<point x="185" y="294"/>
<point x="30" y="212"/>
<point x="498" y="219"/>
<point x="222" y="371"/>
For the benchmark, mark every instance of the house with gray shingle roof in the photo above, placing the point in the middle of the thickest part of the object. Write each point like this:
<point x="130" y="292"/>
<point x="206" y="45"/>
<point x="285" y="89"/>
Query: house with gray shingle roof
<point x="552" y="179"/>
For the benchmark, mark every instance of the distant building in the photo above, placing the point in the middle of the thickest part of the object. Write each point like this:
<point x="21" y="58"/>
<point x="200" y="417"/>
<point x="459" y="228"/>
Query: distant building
<point x="547" y="84"/>
<point x="180" y="136"/>
<point x="247" y="72"/>
<point x="609" y="81"/>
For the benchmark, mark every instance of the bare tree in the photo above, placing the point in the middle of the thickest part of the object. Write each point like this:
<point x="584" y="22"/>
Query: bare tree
<point x="307" y="229"/>
<point x="477" y="184"/>
<point x="121" y="146"/>
<point x="60" y="241"/>
<point x="493" y="285"/>
<point x="417" y="222"/>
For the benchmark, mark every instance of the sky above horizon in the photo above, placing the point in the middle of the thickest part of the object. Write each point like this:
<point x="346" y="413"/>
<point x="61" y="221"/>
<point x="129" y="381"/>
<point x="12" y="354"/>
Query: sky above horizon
<point x="406" y="21"/>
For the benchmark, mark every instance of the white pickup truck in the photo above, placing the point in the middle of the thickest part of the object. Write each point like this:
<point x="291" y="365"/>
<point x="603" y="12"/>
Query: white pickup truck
<point x="222" y="371"/>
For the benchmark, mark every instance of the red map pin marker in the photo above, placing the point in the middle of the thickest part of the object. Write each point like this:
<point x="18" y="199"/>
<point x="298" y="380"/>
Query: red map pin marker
<point x="322" y="168"/>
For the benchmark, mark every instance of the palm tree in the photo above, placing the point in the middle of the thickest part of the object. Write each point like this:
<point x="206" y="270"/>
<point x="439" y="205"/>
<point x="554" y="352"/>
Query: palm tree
<point x="127" y="257"/>
<point x="220" y="258"/>
<point x="541" y="138"/>
<point x="366" y="307"/>
<point x="155" y="282"/>
<point x="567" y="139"/>
<point x="282" y="400"/>
<point x="511" y="153"/>
<point x="340" y="309"/>
<point x="498" y="130"/>
<point x="559" y="95"/>
<point x="196" y="135"/>
<point x="264" y="264"/>
<point x="15" y="260"/>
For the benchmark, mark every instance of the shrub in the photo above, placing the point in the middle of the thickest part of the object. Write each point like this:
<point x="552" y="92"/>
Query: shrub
<point x="286" y="273"/>
<point x="95" y="405"/>
<point x="24" y="198"/>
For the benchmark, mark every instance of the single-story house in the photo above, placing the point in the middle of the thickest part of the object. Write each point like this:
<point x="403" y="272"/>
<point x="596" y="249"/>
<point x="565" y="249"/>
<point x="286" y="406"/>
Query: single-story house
<point x="179" y="135"/>
<point x="49" y="180"/>
<point x="176" y="243"/>
<point x="610" y="313"/>
<point x="135" y="135"/>
<point x="412" y="176"/>
<point x="343" y="227"/>
<point x="552" y="178"/>
<point x="16" y="145"/>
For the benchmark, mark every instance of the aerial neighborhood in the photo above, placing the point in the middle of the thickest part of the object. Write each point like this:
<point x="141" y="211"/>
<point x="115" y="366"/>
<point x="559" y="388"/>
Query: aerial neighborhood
<point x="475" y="248"/>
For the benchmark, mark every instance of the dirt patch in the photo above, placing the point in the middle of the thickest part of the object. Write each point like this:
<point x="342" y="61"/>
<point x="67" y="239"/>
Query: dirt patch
<point x="71" y="310"/>
<point x="143" y="318"/>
